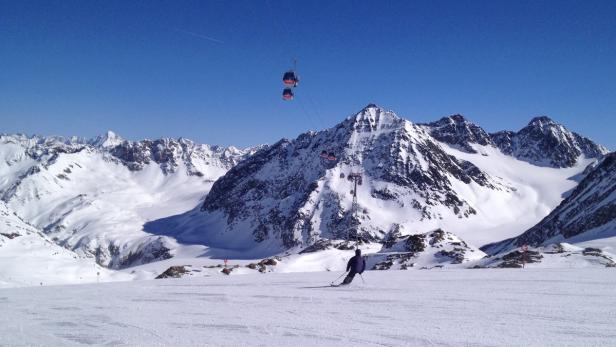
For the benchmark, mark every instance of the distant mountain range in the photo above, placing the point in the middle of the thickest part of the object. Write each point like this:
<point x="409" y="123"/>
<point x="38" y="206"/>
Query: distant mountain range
<point x="93" y="196"/>
<point x="124" y="203"/>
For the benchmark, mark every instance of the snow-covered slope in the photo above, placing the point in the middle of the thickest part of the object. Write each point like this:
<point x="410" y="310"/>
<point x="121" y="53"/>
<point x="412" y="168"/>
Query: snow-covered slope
<point x="535" y="192"/>
<point x="28" y="257"/>
<point x="588" y="213"/>
<point x="504" y="307"/>
<point x="94" y="196"/>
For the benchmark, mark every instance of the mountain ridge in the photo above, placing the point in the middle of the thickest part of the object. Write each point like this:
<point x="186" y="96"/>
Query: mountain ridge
<point x="102" y="197"/>
<point x="286" y="197"/>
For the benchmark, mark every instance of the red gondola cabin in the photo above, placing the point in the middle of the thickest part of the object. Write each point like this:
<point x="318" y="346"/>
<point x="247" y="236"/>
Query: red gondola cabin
<point x="287" y="94"/>
<point x="290" y="79"/>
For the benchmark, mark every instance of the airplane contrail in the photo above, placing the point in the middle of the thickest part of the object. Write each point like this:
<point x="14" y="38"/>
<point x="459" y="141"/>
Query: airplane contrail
<point x="198" y="35"/>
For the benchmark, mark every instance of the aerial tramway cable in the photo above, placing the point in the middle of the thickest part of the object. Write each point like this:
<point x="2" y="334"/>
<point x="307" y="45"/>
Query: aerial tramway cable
<point x="290" y="80"/>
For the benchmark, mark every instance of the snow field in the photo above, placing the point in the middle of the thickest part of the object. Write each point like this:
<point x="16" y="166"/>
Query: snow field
<point x="393" y="308"/>
<point x="501" y="215"/>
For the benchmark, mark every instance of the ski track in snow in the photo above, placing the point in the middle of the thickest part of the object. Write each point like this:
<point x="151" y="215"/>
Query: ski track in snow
<point x="393" y="308"/>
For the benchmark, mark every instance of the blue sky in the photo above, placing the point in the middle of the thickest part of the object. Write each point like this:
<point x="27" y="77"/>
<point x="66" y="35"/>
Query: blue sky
<point x="211" y="70"/>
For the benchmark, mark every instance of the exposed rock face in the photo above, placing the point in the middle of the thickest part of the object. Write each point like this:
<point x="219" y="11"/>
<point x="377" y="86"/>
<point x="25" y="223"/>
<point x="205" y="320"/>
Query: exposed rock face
<point x="173" y="272"/>
<point x="547" y="143"/>
<point x="168" y="153"/>
<point x="458" y="132"/>
<point x="435" y="248"/>
<point x="152" y="249"/>
<point x="171" y="153"/>
<point x="323" y="244"/>
<point x="553" y="255"/>
<point x="289" y="196"/>
<point x="517" y="259"/>
<point x="542" y="142"/>
<point x="591" y="207"/>
<point x="10" y="236"/>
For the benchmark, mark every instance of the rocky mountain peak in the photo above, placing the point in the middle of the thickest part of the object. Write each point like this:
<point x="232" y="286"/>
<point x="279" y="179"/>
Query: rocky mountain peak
<point x="458" y="132"/>
<point x="545" y="126"/>
<point x="456" y="118"/>
<point x="544" y="142"/>
<point x="171" y="153"/>
<point x="287" y="195"/>
<point x="373" y="118"/>
<point x="542" y="121"/>
<point x="107" y="140"/>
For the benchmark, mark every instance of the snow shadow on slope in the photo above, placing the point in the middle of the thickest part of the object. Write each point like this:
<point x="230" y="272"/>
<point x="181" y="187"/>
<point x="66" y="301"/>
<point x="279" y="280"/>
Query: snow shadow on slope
<point x="193" y="228"/>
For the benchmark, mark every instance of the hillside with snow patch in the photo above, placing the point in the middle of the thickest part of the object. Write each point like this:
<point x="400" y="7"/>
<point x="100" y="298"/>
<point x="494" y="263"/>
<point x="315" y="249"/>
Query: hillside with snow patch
<point x="30" y="258"/>
<point x="93" y="197"/>
<point x="586" y="216"/>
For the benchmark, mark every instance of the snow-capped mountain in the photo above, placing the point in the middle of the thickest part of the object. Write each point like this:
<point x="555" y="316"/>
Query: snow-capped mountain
<point x="109" y="139"/>
<point x="125" y="203"/>
<point x="542" y="142"/>
<point x="458" y="132"/>
<point x="201" y="160"/>
<point x="547" y="143"/>
<point x="93" y="196"/>
<point x="287" y="197"/>
<point x="588" y="213"/>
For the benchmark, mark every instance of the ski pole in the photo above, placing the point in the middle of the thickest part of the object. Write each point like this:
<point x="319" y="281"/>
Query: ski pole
<point x="362" y="279"/>
<point x="339" y="277"/>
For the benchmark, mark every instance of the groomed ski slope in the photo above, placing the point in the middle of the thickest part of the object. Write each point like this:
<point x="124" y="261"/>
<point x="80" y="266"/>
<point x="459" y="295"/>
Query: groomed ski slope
<point x="393" y="308"/>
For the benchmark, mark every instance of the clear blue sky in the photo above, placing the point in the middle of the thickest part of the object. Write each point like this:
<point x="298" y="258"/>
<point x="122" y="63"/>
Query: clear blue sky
<point x="211" y="70"/>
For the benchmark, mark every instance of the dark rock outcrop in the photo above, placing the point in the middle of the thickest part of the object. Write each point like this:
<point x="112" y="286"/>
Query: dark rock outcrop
<point x="457" y="131"/>
<point x="173" y="272"/>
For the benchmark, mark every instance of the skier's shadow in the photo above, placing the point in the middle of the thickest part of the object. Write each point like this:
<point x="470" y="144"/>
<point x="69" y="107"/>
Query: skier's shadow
<point x="317" y="287"/>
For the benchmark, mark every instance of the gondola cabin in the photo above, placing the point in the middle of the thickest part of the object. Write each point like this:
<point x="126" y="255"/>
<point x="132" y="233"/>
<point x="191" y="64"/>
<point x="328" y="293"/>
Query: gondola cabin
<point x="290" y="79"/>
<point x="287" y="94"/>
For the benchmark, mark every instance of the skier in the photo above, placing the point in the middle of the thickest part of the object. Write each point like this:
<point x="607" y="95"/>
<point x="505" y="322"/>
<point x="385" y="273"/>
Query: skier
<point x="356" y="265"/>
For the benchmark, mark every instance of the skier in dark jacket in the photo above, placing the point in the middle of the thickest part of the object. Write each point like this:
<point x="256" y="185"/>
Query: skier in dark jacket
<point x="356" y="265"/>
